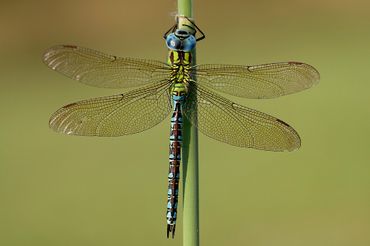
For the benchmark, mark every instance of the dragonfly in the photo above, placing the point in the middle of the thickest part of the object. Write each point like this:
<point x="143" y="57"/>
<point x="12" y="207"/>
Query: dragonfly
<point x="180" y="89"/>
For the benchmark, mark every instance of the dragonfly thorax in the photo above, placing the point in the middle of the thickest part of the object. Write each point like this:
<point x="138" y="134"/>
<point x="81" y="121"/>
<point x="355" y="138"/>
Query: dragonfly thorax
<point x="180" y="65"/>
<point x="179" y="58"/>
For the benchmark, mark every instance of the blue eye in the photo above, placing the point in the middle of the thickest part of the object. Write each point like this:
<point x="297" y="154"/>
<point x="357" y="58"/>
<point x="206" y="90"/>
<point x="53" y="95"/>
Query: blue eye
<point x="188" y="44"/>
<point x="180" y="41"/>
<point x="173" y="42"/>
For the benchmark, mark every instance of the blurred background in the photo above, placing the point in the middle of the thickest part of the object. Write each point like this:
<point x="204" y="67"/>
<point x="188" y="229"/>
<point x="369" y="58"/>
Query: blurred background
<point x="62" y="190"/>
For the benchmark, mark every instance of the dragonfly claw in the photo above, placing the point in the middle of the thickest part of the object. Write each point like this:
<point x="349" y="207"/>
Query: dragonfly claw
<point x="171" y="228"/>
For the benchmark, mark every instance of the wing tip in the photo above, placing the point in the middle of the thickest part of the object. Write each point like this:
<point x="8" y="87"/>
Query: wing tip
<point x="294" y="140"/>
<point x="57" y="121"/>
<point x="315" y="74"/>
<point x="294" y="146"/>
<point x="52" y="50"/>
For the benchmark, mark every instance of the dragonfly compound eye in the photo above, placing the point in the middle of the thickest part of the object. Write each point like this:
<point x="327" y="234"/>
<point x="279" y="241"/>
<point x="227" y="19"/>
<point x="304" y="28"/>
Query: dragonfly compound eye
<point x="188" y="44"/>
<point x="173" y="42"/>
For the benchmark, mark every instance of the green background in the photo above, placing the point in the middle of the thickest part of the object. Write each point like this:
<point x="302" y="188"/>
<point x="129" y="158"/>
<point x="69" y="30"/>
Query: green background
<point x="62" y="190"/>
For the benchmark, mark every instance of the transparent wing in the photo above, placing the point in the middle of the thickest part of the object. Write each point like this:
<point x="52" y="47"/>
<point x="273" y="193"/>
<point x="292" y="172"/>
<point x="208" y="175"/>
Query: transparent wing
<point x="237" y="125"/>
<point x="259" y="81"/>
<point x="118" y="115"/>
<point x="98" y="69"/>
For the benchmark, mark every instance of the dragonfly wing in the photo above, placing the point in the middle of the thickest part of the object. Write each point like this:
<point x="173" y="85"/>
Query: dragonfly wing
<point x="228" y="122"/>
<point x="259" y="81"/>
<point x="118" y="115"/>
<point x="98" y="69"/>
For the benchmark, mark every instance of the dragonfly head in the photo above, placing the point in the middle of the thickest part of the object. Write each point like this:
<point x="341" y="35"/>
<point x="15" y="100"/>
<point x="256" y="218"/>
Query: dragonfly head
<point x="181" y="40"/>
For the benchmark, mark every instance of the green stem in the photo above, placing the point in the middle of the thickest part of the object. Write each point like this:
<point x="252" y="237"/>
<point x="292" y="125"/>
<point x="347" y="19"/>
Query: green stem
<point x="190" y="163"/>
<point x="185" y="7"/>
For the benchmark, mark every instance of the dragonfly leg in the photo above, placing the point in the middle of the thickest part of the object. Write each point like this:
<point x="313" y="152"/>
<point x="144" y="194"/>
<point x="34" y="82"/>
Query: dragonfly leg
<point x="172" y="29"/>
<point x="193" y="26"/>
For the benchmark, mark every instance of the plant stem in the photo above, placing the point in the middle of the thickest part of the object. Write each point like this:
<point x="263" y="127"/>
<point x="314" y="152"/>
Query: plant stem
<point x="190" y="163"/>
<point x="185" y="7"/>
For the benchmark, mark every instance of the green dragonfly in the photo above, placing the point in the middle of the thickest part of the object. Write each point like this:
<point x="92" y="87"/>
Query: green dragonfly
<point x="180" y="88"/>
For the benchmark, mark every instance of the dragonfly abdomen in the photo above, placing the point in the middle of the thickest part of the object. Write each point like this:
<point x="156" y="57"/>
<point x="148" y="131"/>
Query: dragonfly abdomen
<point x="174" y="163"/>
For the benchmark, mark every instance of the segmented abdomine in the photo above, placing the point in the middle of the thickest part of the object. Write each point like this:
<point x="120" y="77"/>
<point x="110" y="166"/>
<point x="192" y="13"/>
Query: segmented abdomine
<point x="174" y="167"/>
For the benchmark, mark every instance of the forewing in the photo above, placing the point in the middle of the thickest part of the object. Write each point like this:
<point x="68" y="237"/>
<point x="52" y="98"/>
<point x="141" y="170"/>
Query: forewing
<point x="259" y="81"/>
<point x="237" y="125"/>
<point x="117" y="115"/>
<point x="98" y="69"/>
